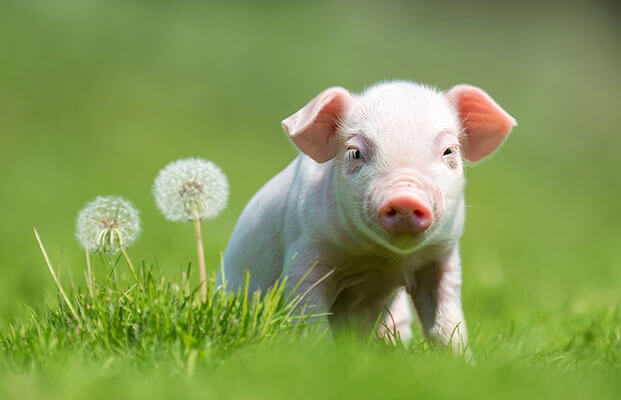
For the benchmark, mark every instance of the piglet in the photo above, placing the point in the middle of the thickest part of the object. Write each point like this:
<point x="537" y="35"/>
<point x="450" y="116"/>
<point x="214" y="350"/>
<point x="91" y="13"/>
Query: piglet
<point x="373" y="206"/>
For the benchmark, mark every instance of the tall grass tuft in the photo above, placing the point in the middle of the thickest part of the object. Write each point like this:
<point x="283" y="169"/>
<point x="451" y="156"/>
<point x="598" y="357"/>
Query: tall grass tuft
<point x="165" y="321"/>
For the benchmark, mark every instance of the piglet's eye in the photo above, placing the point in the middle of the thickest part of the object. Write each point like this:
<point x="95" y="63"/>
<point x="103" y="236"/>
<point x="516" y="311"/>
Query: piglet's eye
<point x="448" y="152"/>
<point x="354" y="153"/>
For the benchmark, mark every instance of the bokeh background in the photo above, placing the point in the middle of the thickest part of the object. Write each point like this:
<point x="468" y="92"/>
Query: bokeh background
<point x="97" y="96"/>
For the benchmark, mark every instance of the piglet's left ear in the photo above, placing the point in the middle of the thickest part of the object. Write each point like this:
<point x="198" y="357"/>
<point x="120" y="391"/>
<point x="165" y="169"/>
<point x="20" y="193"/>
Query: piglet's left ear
<point x="313" y="127"/>
<point x="485" y="123"/>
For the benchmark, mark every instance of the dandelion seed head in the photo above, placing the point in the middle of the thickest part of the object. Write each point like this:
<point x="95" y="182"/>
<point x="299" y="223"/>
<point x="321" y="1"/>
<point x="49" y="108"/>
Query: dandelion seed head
<point x="106" y="224"/>
<point x="191" y="187"/>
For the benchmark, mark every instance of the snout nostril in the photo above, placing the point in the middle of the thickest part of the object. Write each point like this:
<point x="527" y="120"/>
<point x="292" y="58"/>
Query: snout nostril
<point x="405" y="213"/>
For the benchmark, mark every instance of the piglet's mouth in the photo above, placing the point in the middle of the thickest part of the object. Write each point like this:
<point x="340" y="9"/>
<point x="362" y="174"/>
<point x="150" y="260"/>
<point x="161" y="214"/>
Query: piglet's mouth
<point x="406" y="211"/>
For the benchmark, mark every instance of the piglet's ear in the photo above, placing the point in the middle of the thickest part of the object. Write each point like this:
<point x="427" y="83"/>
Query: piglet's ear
<point x="485" y="123"/>
<point x="312" y="128"/>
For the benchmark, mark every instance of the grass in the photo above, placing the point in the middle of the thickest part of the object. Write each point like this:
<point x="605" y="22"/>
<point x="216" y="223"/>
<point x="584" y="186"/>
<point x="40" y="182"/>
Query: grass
<point x="164" y="341"/>
<point x="152" y="319"/>
<point x="97" y="96"/>
<point x="157" y="338"/>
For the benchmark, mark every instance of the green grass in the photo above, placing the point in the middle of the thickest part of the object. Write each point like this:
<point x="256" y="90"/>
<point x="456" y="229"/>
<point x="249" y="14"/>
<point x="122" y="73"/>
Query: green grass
<point x="156" y="321"/>
<point x="164" y="342"/>
<point x="157" y="339"/>
<point x="97" y="96"/>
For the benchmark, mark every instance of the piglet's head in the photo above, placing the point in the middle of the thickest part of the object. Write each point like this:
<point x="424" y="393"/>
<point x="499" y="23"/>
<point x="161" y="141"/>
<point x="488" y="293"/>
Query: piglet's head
<point x="398" y="149"/>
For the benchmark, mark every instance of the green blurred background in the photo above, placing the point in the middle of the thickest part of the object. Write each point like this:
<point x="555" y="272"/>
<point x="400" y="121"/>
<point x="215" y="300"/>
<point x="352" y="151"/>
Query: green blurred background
<point x="97" y="96"/>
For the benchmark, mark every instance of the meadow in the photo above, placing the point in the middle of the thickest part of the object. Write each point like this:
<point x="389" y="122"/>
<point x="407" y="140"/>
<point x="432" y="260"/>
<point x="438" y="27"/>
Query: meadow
<point x="96" y="97"/>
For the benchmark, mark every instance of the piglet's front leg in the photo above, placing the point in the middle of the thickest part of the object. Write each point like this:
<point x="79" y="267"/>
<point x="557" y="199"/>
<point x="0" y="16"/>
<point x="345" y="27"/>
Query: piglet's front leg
<point x="436" y="293"/>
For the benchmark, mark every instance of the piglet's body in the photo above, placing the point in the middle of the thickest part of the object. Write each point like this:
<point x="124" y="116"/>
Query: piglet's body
<point x="373" y="205"/>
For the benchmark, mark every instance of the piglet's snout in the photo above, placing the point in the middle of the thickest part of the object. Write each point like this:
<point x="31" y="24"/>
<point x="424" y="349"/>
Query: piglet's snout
<point x="405" y="212"/>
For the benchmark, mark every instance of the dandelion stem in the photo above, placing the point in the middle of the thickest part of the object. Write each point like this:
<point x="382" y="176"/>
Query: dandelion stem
<point x="200" y="252"/>
<point x="49" y="265"/>
<point x="131" y="267"/>
<point x="89" y="275"/>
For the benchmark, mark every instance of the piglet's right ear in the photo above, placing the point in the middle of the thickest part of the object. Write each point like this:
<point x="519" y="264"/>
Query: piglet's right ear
<point x="485" y="123"/>
<point x="312" y="129"/>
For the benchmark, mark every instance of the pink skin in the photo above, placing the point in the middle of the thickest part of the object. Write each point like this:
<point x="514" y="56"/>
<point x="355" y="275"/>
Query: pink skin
<point x="407" y="203"/>
<point x="375" y="203"/>
<point x="318" y="118"/>
<point x="405" y="212"/>
<point x="485" y="122"/>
